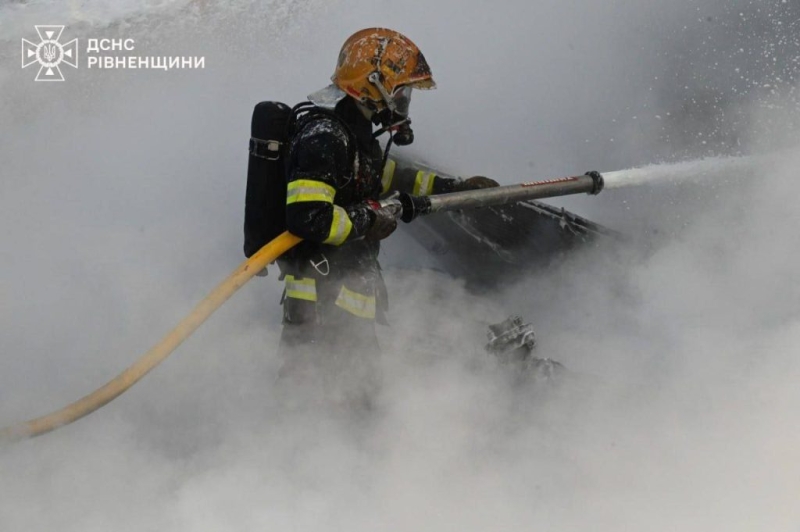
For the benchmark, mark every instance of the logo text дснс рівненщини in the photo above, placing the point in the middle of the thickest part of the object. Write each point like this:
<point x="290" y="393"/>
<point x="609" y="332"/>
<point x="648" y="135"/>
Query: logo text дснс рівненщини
<point x="101" y="53"/>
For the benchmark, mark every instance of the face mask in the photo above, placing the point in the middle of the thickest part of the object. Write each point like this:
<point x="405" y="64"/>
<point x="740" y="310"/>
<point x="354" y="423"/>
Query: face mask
<point x="403" y="135"/>
<point x="394" y="117"/>
<point x="401" y="100"/>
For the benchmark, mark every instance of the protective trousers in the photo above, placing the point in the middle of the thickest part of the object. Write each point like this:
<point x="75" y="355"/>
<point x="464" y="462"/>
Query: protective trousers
<point x="329" y="348"/>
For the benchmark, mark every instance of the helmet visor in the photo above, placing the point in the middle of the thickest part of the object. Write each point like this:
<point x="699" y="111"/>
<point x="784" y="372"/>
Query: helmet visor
<point x="401" y="100"/>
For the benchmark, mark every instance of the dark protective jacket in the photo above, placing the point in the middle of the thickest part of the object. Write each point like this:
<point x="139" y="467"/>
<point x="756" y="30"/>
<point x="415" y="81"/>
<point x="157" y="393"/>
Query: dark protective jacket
<point x="335" y="163"/>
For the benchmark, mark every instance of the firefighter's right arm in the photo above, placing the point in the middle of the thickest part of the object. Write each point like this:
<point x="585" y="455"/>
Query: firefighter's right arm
<point x="319" y="165"/>
<point x="402" y="176"/>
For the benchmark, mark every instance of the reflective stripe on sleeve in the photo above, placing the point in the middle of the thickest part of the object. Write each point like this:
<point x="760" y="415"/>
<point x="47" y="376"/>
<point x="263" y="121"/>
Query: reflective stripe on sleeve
<point x="309" y="190"/>
<point x="423" y="183"/>
<point x="340" y="227"/>
<point x="356" y="304"/>
<point x="301" y="288"/>
<point x="388" y="175"/>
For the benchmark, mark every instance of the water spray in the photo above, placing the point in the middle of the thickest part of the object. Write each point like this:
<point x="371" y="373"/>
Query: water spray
<point x="710" y="167"/>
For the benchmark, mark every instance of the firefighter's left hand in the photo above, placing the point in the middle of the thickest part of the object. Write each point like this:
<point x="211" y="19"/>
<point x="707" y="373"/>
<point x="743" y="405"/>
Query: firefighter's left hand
<point x="476" y="183"/>
<point x="384" y="223"/>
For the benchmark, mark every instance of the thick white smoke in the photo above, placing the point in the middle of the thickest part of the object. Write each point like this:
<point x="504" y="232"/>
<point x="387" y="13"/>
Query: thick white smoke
<point x="122" y="197"/>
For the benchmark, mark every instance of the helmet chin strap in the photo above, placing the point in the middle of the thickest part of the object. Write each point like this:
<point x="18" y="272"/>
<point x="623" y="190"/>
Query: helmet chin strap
<point x="375" y="79"/>
<point x="389" y="122"/>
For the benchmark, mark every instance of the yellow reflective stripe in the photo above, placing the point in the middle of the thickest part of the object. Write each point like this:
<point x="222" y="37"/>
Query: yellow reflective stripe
<point x="309" y="190"/>
<point x="301" y="288"/>
<point x="388" y="175"/>
<point x="356" y="304"/>
<point x="340" y="227"/>
<point x="423" y="183"/>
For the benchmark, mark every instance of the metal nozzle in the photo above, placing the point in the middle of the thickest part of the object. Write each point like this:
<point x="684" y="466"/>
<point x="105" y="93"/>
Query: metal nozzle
<point x="599" y="183"/>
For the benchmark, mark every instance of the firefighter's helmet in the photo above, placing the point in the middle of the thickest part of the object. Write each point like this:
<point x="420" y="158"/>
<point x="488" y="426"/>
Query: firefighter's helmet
<point x="378" y="67"/>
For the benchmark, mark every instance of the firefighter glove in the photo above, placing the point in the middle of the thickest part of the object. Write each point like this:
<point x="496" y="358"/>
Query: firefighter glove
<point x="475" y="183"/>
<point x="384" y="222"/>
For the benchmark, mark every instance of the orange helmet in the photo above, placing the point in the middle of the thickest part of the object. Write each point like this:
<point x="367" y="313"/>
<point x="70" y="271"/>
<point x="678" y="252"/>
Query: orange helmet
<point x="375" y="62"/>
<point x="378" y="67"/>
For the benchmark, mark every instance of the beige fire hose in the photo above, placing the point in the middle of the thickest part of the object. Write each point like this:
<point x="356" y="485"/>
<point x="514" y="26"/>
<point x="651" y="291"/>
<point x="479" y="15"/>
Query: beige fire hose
<point x="119" y="384"/>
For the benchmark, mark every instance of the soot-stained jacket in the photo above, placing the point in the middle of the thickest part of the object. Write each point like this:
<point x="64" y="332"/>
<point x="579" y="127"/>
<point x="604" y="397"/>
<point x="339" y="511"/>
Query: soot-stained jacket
<point x="334" y="164"/>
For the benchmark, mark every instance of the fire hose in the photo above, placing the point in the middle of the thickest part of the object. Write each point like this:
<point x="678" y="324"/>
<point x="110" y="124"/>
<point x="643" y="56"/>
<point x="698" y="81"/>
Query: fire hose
<point x="408" y="207"/>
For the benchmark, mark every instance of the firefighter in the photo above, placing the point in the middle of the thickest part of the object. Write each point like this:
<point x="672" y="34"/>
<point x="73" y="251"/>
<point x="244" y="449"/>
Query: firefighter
<point x="336" y="170"/>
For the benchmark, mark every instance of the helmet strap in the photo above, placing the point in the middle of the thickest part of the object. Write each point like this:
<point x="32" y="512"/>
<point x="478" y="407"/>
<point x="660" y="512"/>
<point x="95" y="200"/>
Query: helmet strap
<point x="401" y="129"/>
<point x="389" y="122"/>
<point x="375" y="79"/>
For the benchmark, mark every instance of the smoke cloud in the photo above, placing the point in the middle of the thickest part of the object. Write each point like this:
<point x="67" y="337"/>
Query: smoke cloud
<point x="122" y="198"/>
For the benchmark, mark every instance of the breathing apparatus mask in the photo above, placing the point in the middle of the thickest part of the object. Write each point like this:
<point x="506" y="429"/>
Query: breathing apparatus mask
<point x="394" y="115"/>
